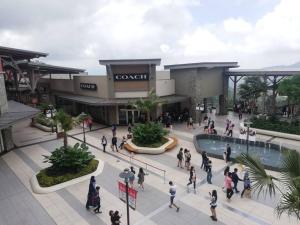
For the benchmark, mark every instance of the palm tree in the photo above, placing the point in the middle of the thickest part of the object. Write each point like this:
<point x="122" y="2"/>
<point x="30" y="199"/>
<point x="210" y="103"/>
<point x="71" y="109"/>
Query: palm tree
<point x="67" y="123"/>
<point x="146" y="105"/>
<point x="287" y="184"/>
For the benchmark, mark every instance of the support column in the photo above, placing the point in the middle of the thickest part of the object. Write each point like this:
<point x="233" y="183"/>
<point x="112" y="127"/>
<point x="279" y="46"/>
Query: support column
<point x="234" y="89"/>
<point x="223" y="103"/>
<point x="274" y="94"/>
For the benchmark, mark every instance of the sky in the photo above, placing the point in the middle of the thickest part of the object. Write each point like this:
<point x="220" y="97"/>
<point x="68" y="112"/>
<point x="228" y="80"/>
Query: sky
<point x="76" y="33"/>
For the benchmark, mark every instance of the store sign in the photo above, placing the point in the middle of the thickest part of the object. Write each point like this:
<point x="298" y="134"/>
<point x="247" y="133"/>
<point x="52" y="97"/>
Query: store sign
<point x="131" y="77"/>
<point x="88" y="86"/>
<point x="132" y="193"/>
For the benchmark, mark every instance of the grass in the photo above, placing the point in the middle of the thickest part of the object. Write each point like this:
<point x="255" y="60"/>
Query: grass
<point x="46" y="180"/>
<point x="152" y="145"/>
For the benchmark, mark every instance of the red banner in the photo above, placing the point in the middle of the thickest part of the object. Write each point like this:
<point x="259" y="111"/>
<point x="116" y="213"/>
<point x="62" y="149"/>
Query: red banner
<point x="132" y="194"/>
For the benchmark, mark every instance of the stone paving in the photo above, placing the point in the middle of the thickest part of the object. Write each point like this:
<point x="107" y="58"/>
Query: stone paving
<point x="19" y="205"/>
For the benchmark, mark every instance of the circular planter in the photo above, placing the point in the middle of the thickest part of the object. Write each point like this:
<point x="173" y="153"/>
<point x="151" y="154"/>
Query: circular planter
<point x="130" y="146"/>
<point x="44" y="190"/>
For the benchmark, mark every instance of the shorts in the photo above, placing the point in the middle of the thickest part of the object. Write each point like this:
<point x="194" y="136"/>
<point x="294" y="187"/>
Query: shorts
<point x="213" y="207"/>
<point x="172" y="199"/>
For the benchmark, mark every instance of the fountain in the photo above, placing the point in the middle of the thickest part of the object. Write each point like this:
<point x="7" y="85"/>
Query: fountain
<point x="214" y="146"/>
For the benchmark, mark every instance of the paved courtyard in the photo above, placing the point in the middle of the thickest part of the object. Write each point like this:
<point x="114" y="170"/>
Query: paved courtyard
<point x="20" y="206"/>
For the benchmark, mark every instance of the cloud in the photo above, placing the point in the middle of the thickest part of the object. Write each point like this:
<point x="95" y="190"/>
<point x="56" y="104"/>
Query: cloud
<point x="79" y="33"/>
<point x="237" y="26"/>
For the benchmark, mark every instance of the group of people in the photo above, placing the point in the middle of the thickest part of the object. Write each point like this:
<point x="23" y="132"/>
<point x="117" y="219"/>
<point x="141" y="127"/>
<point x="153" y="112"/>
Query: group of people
<point x="209" y="126"/>
<point x="229" y="128"/>
<point x="114" y="140"/>
<point x="184" y="155"/>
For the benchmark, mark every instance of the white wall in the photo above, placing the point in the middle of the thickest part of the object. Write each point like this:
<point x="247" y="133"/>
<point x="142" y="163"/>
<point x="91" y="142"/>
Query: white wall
<point x="163" y="75"/>
<point x="165" y="87"/>
<point x="133" y="94"/>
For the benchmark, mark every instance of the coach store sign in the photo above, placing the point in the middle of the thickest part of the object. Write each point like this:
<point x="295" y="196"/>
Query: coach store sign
<point x="131" y="77"/>
<point x="88" y="86"/>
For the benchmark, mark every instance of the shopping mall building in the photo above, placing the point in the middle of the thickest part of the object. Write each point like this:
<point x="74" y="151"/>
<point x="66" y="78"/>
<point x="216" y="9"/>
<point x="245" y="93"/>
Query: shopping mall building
<point x="108" y="99"/>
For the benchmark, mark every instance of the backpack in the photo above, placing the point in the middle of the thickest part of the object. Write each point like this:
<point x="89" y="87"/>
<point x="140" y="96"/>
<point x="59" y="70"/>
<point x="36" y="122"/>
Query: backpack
<point x="179" y="156"/>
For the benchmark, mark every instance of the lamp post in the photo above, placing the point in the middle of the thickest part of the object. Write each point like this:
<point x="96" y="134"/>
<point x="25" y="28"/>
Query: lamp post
<point x="126" y="174"/>
<point x="51" y="111"/>
<point x="247" y="123"/>
<point x="83" y="116"/>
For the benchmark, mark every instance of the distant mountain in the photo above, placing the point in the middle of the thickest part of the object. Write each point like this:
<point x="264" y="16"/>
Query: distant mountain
<point x="291" y="66"/>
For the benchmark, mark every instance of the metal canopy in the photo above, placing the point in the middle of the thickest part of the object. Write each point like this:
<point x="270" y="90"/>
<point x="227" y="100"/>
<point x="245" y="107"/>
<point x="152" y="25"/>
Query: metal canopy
<point x="263" y="72"/>
<point x="16" y="112"/>
<point x="114" y="101"/>
<point x="202" y="65"/>
<point x="20" y="54"/>
<point x="46" y="68"/>
<point x="130" y="62"/>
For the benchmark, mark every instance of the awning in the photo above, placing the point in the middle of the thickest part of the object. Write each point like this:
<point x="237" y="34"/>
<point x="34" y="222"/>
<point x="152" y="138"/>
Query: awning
<point x="16" y="112"/>
<point x="115" y="101"/>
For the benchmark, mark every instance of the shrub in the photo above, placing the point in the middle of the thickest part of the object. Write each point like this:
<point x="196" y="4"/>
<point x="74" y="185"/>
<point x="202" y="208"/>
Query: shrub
<point x="70" y="159"/>
<point x="148" y="133"/>
<point x="276" y="125"/>
<point x="42" y="119"/>
<point x="46" y="179"/>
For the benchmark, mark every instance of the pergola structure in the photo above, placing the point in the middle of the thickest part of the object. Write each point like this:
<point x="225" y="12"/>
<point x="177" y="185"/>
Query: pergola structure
<point x="271" y="77"/>
<point x="22" y="74"/>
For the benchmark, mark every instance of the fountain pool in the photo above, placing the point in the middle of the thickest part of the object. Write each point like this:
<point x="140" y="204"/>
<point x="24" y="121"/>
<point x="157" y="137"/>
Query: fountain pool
<point x="215" y="145"/>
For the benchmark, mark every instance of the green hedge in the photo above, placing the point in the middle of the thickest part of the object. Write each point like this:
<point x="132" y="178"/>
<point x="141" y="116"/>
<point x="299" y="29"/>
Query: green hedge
<point x="42" y="119"/>
<point x="152" y="145"/>
<point x="46" y="180"/>
<point x="274" y="124"/>
<point x="148" y="133"/>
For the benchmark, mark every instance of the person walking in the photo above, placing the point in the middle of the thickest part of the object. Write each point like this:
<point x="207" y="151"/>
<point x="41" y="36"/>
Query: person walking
<point x="185" y="157"/>
<point x="235" y="180"/>
<point x="228" y="153"/>
<point x="228" y="186"/>
<point x="104" y="142"/>
<point x="228" y="122"/>
<point x="122" y="142"/>
<point x="91" y="193"/>
<point x="230" y="130"/>
<point x="90" y="123"/>
<point x="172" y="192"/>
<point x="180" y="158"/>
<point x="240" y="114"/>
<point x="209" y="173"/>
<point x="204" y="158"/>
<point x="114" y="129"/>
<point x="114" y="141"/>
<point x="141" y="178"/>
<point x="213" y="204"/>
<point x="192" y="179"/>
<point x="97" y="201"/>
<point x="247" y="184"/>
<point x="226" y="171"/>
<point x="115" y="217"/>
<point x="132" y="178"/>
<point x="191" y="122"/>
<point x="188" y="160"/>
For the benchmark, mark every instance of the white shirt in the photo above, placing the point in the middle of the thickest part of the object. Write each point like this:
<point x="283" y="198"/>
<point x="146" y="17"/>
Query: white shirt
<point x="172" y="190"/>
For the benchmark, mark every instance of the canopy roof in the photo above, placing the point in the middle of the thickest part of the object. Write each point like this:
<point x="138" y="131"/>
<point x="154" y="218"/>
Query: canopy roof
<point x="20" y="54"/>
<point x="202" y="65"/>
<point x="16" y="112"/>
<point x="46" y="68"/>
<point x="130" y="62"/>
<point x="263" y="72"/>
<point x="114" y="101"/>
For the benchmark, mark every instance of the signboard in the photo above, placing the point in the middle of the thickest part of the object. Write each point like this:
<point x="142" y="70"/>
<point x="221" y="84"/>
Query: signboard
<point x="88" y="86"/>
<point x="132" y="193"/>
<point x="131" y="77"/>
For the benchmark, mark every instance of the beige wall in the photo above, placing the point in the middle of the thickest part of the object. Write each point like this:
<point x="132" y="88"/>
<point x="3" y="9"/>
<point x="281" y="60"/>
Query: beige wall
<point x="211" y="82"/>
<point x="62" y="85"/>
<point x="163" y="75"/>
<point x="100" y="81"/>
<point x="165" y="87"/>
<point x="133" y="94"/>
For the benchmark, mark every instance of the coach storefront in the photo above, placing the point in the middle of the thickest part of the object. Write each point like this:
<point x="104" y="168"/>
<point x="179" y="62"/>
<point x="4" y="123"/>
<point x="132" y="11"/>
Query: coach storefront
<point x="108" y="99"/>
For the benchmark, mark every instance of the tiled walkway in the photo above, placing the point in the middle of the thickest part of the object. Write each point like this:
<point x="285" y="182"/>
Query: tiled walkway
<point x="18" y="205"/>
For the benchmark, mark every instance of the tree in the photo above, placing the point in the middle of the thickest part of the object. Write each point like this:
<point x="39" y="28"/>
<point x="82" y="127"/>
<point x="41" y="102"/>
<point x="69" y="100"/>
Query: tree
<point x="291" y="89"/>
<point x="287" y="184"/>
<point x="252" y="89"/>
<point x="66" y="122"/>
<point x="146" y="105"/>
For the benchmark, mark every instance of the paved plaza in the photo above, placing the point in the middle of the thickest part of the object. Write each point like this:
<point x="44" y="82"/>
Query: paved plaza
<point x="20" y="206"/>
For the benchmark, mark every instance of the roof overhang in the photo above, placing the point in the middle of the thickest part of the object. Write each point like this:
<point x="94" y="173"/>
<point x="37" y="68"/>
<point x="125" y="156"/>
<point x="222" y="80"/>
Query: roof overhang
<point x="115" y="101"/>
<point x="16" y="112"/>
<point x="20" y="54"/>
<point x="130" y="62"/>
<point x="46" y="68"/>
<point x="208" y="65"/>
<point x="263" y="72"/>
